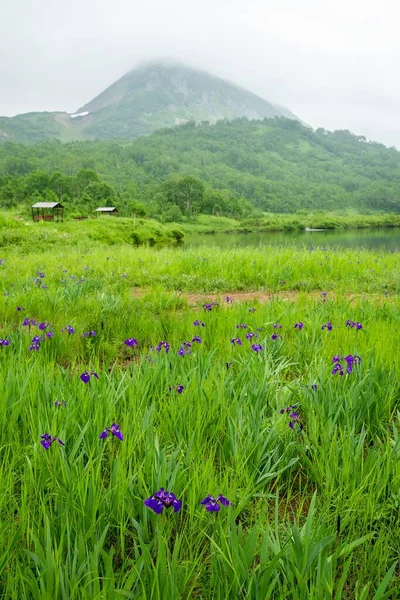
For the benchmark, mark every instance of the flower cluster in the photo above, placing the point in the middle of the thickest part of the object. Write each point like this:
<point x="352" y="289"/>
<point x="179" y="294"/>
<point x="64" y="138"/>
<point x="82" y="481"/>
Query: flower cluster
<point x="89" y="334"/>
<point x="164" y="499"/>
<point x="350" y="360"/>
<point x="236" y="341"/>
<point x="197" y="339"/>
<point x="241" y="326"/>
<point x="131" y="342"/>
<point x="35" y="342"/>
<point x="299" y="325"/>
<point x="327" y="326"/>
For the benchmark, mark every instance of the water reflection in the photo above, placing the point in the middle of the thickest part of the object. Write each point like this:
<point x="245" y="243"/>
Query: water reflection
<point x="374" y="239"/>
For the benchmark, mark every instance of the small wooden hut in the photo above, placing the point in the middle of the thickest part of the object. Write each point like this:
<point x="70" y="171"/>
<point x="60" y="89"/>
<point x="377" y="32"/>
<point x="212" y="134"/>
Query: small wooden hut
<point x="106" y="210"/>
<point x="47" y="211"/>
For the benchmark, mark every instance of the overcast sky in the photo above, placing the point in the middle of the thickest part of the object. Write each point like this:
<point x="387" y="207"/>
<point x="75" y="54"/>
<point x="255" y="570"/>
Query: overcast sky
<point x="335" y="63"/>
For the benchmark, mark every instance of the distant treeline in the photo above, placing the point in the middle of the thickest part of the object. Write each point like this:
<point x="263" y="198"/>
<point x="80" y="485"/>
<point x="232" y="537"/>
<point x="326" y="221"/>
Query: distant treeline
<point x="237" y="169"/>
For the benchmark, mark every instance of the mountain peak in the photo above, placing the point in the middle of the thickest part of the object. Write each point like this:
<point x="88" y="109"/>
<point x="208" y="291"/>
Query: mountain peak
<point x="153" y="96"/>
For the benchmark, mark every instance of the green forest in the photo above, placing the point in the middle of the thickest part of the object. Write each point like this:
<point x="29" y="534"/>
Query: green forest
<point x="235" y="168"/>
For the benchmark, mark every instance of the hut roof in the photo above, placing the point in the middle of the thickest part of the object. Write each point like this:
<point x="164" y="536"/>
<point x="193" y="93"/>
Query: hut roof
<point x="106" y="209"/>
<point x="47" y="205"/>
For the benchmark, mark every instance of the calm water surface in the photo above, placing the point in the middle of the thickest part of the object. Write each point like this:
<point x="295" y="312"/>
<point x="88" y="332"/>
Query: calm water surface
<point x="374" y="239"/>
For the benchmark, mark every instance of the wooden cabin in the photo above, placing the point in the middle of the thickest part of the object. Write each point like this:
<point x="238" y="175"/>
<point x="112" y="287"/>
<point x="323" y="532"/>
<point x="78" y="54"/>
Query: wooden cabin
<point x="47" y="211"/>
<point x="106" y="210"/>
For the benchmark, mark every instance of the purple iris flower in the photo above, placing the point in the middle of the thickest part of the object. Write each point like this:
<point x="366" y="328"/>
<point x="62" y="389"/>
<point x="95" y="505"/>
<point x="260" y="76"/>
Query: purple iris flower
<point x="314" y="387"/>
<point x="60" y="403"/>
<point x="295" y="418"/>
<point x="131" y="342"/>
<point x="338" y="369"/>
<point x="162" y="345"/>
<point x="49" y="334"/>
<point x="275" y="336"/>
<point x="256" y="347"/>
<point x="29" y="322"/>
<point x="252" y="310"/>
<point x="185" y="349"/>
<point x="198" y="323"/>
<point x="286" y="410"/>
<point x="19" y="308"/>
<point x="197" y="339"/>
<point x="351" y="360"/>
<point x="89" y="334"/>
<point x="228" y="299"/>
<point x="277" y="326"/>
<point x="40" y="274"/>
<point x="4" y="342"/>
<point x="68" y="328"/>
<point x="210" y="305"/>
<point x="353" y="324"/>
<point x="42" y="326"/>
<point x="114" y="430"/>
<point x="241" y="326"/>
<point x="236" y="341"/>
<point x="47" y="440"/>
<point x="327" y="326"/>
<point x="179" y="388"/>
<point x="163" y="499"/>
<point x="86" y="376"/>
<point x="213" y="504"/>
<point x="299" y="325"/>
<point x="251" y="335"/>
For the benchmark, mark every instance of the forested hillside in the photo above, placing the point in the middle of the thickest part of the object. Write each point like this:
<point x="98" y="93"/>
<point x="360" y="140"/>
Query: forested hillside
<point x="231" y="168"/>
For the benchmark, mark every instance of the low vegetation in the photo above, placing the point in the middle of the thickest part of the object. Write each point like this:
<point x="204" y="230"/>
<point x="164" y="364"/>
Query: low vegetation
<point x="122" y="374"/>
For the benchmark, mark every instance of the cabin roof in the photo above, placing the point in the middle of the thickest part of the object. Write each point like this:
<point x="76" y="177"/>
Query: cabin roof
<point x="105" y="209"/>
<point x="47" y="205"/>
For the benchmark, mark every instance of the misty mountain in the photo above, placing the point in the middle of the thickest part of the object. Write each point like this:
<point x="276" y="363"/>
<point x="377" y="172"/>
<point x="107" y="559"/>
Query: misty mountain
<point x="145" y="99"/>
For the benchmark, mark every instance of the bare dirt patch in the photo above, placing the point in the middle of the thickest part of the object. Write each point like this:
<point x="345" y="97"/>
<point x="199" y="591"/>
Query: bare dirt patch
<point x="196" y="299"/>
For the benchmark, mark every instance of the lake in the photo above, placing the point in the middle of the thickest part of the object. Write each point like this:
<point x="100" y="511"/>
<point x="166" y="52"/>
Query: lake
<point x="374" y="239"/>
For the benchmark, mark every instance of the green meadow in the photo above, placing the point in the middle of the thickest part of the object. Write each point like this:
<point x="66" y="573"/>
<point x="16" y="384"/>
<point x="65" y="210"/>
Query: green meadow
<point x="314" y="509"/>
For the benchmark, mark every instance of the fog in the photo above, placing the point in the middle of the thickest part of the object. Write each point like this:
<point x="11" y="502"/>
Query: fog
<point x="333" y="63"/>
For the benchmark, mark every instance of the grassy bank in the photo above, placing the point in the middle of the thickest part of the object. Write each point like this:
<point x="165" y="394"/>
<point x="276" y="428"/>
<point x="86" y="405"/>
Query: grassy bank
<point x="16" y="230"/>
<point x="297" y="222"/>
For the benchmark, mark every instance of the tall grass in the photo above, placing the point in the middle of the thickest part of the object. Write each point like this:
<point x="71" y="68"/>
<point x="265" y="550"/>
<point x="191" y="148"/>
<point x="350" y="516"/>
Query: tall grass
<point x="314" y="513"/>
